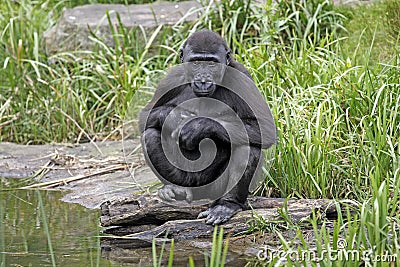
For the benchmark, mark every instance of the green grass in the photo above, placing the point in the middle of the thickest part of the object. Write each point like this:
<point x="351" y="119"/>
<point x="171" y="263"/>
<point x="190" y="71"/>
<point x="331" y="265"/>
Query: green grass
<point x="83" y="94"/>
<point x="217" y="257"/>
<point x="332" y="83"/>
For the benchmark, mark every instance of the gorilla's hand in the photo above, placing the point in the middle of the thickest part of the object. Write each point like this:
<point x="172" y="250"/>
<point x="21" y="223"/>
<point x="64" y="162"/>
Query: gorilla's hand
<point x="171" y="192"/>
<point x="220" y="213"/>
<point x="157" y="117"/>
<point x="196" y="130"/>
<point x="191" y="134"/>
<point x="162" y="116"/>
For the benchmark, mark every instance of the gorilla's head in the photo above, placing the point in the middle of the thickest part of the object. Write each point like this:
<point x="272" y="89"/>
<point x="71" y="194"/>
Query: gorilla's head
<point x="206" y="50"/>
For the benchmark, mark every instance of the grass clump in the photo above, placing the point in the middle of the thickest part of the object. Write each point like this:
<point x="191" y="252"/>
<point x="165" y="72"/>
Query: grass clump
<point x="83" y="94"/>
<point x="217" y="257"/>
<point x="393" y="17"/>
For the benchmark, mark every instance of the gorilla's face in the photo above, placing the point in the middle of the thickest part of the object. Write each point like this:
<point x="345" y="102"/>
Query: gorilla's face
<point x="206" y="66"/>
<point x="206" y="75"/>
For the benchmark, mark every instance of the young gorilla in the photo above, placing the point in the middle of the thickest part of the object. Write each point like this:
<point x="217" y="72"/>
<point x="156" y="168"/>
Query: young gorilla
<point x="202" y="138"/>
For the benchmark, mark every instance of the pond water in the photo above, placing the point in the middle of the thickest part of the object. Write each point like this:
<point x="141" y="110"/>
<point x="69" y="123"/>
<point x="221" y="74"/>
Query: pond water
<point x="38" y="229"/>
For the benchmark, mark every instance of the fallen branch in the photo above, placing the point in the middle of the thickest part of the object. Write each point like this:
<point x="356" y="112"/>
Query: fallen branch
<point x="64" y="181"/>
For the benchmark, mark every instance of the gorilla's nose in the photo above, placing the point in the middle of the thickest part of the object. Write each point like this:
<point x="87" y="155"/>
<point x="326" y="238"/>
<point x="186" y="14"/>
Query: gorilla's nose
<point x="203" y="86"/>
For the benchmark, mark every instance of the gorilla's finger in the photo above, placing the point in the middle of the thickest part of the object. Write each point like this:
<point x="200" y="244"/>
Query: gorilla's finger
<point x="189" y="195"/>
<point x="218" y="220"/>
<point x="203" y="214"/>
<point x="161" y="195"/>
<point x="213" y="219"/>
<point x="209" y="218"/>
<point x="166" y="194"/>
<point x="175" y="134"/>
<point x="170" y="194"/>
<point x="210" y="221"/>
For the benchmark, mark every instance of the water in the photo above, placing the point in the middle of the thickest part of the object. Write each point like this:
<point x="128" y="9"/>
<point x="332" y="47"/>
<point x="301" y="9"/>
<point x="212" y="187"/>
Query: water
<point x="38" y="229"/>
<point x="73" y="231"/>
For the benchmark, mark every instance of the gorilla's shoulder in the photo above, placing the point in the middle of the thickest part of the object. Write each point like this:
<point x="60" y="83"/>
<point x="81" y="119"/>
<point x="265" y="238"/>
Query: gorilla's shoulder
<point x="236" y="65"/>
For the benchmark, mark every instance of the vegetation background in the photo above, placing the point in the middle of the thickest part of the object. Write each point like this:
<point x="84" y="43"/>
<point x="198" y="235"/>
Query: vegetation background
<point x="329" y="73"/>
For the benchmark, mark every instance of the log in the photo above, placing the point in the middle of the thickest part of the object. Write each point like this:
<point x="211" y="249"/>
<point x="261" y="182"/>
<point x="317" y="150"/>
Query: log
<point x="135" y="222"/>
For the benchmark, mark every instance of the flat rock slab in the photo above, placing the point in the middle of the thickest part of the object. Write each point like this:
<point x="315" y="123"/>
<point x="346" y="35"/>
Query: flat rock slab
<point x="92" y="172"/>
<point x="73" y="29"/>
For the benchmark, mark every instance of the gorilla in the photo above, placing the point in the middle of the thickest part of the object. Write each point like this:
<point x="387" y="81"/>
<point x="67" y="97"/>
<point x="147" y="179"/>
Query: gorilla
<point x="204" y="129"/>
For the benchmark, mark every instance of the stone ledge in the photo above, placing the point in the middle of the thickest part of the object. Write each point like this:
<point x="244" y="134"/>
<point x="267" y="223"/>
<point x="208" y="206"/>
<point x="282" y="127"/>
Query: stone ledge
<point x="73" y="29"/>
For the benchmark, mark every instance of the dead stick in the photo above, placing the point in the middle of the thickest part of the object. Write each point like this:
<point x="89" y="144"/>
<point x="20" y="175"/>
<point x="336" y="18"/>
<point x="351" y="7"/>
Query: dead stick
<point x="75" y="178"/>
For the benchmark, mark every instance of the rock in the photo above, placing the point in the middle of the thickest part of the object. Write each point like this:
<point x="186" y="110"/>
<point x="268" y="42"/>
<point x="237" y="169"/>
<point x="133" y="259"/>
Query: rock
<point x="92" y="173"/>
<point x="74" y="28"/>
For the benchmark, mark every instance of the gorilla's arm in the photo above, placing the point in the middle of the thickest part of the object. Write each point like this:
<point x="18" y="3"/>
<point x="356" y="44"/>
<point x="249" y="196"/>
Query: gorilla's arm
<point x="153" y="115"/>
<point x="237" y="116"/>
<point x="150" y="119"/>
<point x="198" y="129"/>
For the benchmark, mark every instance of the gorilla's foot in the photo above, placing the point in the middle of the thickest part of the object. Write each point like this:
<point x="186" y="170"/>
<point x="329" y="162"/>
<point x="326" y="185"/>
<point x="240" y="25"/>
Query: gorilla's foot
<point x="172" y="192"/>
<point x="220" y="213"/>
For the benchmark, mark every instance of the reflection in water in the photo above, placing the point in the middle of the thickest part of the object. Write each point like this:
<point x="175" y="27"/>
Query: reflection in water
<point x="72" y="230"/>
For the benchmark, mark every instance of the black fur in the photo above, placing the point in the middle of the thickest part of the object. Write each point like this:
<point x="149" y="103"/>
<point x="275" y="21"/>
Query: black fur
<point x="208" y="46"/>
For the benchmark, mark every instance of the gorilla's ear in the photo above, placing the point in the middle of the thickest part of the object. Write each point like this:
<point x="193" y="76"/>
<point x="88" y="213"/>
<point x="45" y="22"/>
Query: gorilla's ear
<point x="228" y="57"/>
<point x="181" y="55"/>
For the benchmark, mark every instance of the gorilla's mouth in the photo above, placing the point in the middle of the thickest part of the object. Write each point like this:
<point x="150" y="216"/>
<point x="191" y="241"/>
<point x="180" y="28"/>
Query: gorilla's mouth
<point x="202" y="94"/>
<point x="203" y="88"/>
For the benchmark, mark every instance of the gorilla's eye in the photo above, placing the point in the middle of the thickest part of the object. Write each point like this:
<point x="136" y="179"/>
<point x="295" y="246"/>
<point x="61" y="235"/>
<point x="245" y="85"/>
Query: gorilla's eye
<point x="195" y="65"/>
<point x="211" y="64"/>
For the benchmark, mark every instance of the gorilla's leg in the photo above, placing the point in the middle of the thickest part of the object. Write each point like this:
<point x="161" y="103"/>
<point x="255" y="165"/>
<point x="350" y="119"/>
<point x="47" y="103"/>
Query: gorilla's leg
<point x="234" y="201"/>
<point x="152" y="143"/>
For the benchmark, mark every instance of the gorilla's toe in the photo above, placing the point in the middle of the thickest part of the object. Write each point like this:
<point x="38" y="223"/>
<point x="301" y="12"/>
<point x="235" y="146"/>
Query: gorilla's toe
<point x="170" y="193"/>
<point x="219" y="214"/>
<point x="166" y="193"/>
